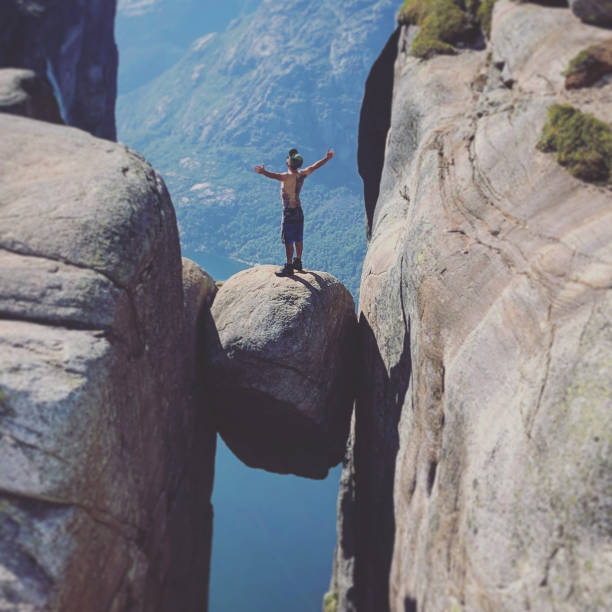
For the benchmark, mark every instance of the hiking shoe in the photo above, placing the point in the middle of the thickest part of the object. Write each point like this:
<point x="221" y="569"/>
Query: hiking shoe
<point x="297" y="264"/>
<point x="286" y="270"/>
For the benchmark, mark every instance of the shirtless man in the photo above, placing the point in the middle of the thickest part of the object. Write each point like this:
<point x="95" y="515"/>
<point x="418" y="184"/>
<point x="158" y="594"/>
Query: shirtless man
<point x="292" y="227"/>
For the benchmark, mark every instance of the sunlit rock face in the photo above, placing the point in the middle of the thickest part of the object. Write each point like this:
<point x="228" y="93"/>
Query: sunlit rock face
<point x="106" y="447"/>
<point x="73" y="44"/>
<point x="481" y="472"/>
<point x="279" y="361"/>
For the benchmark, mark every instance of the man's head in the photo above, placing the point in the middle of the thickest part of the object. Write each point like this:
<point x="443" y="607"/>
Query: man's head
<point x="294" y="159"/>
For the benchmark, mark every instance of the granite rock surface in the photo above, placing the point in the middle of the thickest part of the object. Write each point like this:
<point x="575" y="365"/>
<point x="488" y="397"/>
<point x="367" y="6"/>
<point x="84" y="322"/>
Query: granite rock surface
<point x="279" y="361"/>
<point x="480" y="474"/>
<point x="106" y="447"/>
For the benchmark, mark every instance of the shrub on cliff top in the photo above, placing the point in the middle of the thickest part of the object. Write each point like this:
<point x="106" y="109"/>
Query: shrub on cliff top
<point x="579" y="62"/>
<point x="589" y="65"/>
<point x="444" y="22"/>
<point x="441" y="22"/>
<point x="583" y="143"/>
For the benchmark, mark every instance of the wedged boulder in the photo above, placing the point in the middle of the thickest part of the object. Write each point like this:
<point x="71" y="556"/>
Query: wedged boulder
<point x="106" y="447"/>
<point x="23" y="92"/>
<point x="597" y="12"/>
<point x="279" y="359"/>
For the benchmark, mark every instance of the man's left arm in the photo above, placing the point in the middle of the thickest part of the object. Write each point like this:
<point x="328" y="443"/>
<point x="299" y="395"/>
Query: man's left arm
<point x="310" y="169"/>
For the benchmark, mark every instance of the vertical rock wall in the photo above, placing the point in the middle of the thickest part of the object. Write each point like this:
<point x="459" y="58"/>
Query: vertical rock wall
<point x="480" y="474"/>
<point x="73" y="42"/>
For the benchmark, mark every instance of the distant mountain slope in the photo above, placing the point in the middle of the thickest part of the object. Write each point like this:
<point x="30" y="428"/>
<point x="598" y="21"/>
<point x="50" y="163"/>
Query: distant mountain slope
<point x="154" y="34"/>
<point x="274" y="79"/>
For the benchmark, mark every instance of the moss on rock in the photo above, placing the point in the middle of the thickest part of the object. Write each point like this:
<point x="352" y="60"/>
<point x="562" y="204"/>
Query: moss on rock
<point x="588" y="66"/>
<point x="330" y="602"/>
<point x="484" y="15"/>
<point x="442" y="23"/>
<point x="578" y="62"/>
<point x="582" y="142"/>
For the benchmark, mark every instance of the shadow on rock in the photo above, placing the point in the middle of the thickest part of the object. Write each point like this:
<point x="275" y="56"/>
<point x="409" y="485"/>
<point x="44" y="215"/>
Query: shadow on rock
<point x="378" y="409"/>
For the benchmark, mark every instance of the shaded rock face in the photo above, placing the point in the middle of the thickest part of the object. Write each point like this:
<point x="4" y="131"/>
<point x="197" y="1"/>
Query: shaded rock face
<point x="74" y="42"/>
<point x="106" y="447"/>
<point x="23" y="92"/>
<point x="597" y="12"/>
<point x="375" y="118"/>
<point x="279" y="360"/>
<point x="480" y="475"/>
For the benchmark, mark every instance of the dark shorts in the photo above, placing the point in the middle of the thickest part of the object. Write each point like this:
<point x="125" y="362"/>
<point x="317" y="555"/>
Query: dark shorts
<point x="292" y="225"/>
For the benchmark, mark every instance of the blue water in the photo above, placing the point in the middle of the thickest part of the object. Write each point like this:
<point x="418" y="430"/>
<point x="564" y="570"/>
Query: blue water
<point x="273" y="535"/>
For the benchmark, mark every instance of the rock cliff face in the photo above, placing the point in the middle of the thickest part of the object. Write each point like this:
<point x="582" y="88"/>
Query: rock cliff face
<point x="106" y="445"/>
<point x="73" y="43"/>
<point x="279" y="361"/>
<point x="480" y="471"/>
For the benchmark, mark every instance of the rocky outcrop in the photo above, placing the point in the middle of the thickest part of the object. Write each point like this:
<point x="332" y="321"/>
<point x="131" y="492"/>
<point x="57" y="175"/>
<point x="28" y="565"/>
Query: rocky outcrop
<point x="279" y="357"/>
<point x="106" y="446"/>
<point x="597" y="12"/>
<point x="480" y="475"/>
<point x="23" y="92"/>
<point x="73" y="43"/>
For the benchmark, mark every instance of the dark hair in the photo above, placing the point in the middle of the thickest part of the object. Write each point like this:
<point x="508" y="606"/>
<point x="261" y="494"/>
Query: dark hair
<point x="295" y="159"/>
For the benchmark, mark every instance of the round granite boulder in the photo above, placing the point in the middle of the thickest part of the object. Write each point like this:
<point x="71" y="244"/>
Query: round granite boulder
<point x="279" y="361"/>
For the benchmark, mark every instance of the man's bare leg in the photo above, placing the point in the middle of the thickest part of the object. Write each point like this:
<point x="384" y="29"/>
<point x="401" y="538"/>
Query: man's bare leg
<point x="299" y="246"/>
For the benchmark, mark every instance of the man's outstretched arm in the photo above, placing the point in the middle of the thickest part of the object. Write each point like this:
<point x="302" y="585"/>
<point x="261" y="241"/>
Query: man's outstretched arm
<point x="273" y="175"/>
<point x="317" y="165"/>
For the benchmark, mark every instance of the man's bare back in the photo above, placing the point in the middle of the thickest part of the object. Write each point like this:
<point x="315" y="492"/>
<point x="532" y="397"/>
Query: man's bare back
<point x="293" y="218"/>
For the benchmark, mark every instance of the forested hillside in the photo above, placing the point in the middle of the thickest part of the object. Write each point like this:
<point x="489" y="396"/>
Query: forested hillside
<point x="274" y="79"/>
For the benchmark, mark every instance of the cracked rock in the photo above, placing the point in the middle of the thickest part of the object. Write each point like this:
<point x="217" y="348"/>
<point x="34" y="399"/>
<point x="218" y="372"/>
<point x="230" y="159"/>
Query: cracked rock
<point x="279" y="354"/>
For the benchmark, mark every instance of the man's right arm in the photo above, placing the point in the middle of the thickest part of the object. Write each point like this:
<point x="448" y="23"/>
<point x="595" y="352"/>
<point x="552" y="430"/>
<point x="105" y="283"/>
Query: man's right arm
<point x="272" y="175"/>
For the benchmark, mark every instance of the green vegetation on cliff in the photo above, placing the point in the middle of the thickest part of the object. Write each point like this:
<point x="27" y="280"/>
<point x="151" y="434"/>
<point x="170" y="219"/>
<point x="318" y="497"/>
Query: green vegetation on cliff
<point x="330" y="602"/>
<point x="483" y="10"/>
<point x="579" y="62"/>
<point x="582" y="142"/>
<point x="443" y="23"/>
<point x="588" y="66"/>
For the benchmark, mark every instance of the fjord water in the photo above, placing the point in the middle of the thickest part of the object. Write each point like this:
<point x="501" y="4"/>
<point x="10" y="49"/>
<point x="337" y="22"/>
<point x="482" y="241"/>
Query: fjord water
<point x="273" y="535"/>
<point x="273" y="538"/>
